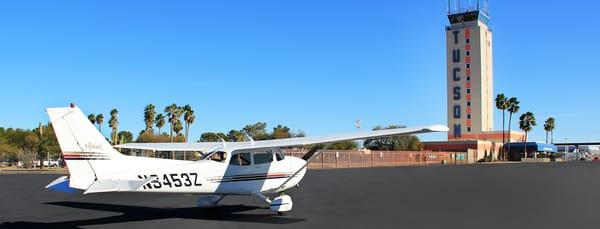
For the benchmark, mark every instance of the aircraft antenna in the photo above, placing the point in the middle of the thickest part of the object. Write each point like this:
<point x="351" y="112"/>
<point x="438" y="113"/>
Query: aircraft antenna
<point x="224" y="142"/>
<point x="249" y="138"/>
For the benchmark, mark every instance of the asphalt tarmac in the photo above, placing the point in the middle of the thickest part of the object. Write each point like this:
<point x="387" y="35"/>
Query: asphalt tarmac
<point x="470" y="196"/>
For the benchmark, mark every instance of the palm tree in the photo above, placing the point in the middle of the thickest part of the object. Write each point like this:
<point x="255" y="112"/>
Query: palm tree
<point x="189" y="118"/>
<point x="160" y="122"/>
<point x="174" y="113"/>
<point x="114" y="124"/>
<point x="552" y="130"/>
<point x="548" y="127"/>
<point x="99" y="121"/>
<point x="526" y="123"/>
<point x="513" y="107"/>
<point x="92" y="118"/>
<point x="177" y="127"/>
<point x="502" y="104"/>
<point x="149" y="113"/>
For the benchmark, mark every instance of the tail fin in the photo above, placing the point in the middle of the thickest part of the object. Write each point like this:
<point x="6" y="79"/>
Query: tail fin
<point x="81" y="144"/>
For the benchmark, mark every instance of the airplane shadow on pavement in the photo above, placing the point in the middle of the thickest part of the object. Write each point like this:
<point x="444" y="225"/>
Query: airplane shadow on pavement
<point x="136" y="214"/>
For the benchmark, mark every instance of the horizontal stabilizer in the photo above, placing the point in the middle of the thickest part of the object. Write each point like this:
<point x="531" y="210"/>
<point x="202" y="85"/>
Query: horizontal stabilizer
<point x="117" y="185"/>
<point x="61" y="185"/>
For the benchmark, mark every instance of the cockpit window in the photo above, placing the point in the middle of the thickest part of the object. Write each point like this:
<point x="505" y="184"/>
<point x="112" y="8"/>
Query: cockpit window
<point x="218" y="156"/>
<point x="279" y="155"/>
<point x="241" y="159"/>
<point x="263" y="157"/>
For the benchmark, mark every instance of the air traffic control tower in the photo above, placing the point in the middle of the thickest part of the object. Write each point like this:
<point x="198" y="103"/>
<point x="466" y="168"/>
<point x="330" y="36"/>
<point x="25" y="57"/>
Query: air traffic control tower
<point x="469" y="73"/>
<point x="470" y="78"/>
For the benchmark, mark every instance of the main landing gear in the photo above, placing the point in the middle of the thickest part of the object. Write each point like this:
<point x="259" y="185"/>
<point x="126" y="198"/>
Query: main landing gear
<point x="211" y="201"/>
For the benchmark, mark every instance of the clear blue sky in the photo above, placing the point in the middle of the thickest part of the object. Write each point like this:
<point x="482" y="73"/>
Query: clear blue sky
<point x="312" y="65"/>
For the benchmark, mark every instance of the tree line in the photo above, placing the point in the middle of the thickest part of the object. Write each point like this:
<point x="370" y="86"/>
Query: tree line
<point x="18" y="144"/>
<point x="28" y="145"/>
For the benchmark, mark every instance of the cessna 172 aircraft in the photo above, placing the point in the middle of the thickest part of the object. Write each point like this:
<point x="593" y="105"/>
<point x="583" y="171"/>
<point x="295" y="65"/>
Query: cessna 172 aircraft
<point x="227" y="168"/>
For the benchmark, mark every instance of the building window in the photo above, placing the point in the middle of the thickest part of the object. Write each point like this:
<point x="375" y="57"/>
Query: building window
<point x="468" y="129"/>
<point x="468" y="53"/>
<point x="468" y="90"/>
<point x="468" y="78"/>
<point x="468" y="65"/>
<point x="468" y="116"/>
<point x="468" y="41"/>
<point x="468" y="104"/>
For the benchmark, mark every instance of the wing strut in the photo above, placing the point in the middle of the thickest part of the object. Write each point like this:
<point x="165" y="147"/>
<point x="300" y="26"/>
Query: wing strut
<point x="310" y="153"/>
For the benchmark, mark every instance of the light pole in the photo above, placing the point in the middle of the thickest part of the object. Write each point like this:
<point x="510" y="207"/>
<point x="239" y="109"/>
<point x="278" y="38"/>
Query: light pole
<point x="360" y="142"/>
<point x="566" y="148"/>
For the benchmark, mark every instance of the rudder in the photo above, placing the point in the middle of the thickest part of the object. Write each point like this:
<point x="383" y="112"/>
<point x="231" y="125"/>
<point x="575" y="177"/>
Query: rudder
<point x="81" y="144"/>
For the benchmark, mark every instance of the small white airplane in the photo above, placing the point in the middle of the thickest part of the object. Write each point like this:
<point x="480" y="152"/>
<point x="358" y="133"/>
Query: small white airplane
<point x="227" y="168"/>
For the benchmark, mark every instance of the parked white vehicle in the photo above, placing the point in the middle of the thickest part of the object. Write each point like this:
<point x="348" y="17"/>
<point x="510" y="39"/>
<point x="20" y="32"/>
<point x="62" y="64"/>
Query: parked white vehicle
<point x="21" y="164"/>
<point x="51" y="163"/>
<point x="46" y="163"/>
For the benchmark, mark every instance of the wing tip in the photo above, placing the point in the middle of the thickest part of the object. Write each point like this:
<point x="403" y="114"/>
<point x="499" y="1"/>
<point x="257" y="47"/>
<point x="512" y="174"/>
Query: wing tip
<point x="438" y="128"/>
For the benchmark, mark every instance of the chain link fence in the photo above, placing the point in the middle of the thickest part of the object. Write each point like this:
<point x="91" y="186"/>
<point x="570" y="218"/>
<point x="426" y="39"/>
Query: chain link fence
<point x="363" y="159"/>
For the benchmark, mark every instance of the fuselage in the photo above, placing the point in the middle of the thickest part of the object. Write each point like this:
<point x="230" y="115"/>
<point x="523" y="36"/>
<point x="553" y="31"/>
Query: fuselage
<point x="263" y="172"/>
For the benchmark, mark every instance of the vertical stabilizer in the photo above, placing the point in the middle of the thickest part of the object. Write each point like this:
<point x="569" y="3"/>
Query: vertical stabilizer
<point x="81" y="144"/>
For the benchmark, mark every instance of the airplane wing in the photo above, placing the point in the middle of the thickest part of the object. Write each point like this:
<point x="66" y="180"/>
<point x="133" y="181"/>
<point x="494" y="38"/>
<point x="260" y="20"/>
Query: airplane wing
<point x="288" y="142"/>
<point x="304" y="141"/>
<point x="178" y="147"/>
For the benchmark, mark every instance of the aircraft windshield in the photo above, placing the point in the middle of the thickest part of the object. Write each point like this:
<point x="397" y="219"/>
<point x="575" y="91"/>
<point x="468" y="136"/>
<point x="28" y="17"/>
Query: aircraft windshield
<point x="215" y="155"/>
<point x="218" y="156"/>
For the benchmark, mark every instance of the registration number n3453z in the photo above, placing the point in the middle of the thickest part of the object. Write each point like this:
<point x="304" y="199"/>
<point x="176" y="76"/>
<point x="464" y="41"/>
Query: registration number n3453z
<point x="171" y="180"/>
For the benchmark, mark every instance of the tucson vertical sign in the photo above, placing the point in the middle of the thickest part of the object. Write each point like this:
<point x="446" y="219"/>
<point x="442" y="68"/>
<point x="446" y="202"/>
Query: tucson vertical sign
<point x="469" y="69"/>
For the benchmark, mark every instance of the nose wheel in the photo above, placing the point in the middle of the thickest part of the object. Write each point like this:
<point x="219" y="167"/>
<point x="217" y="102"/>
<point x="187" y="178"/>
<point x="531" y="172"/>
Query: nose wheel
<point x="281" y="204"/>
<point x="283" y="213"/>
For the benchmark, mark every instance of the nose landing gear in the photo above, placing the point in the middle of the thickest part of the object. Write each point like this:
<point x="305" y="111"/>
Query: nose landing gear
<point x="281" y="204"/>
